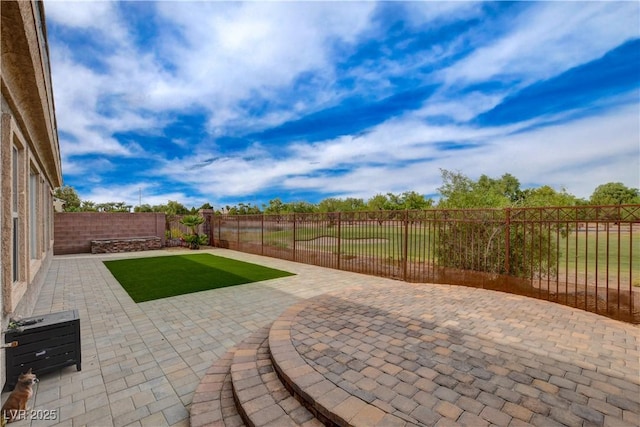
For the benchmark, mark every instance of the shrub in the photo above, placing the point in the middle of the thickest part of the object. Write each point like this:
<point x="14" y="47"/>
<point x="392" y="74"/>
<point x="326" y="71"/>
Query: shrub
<point x="479" y="244"/>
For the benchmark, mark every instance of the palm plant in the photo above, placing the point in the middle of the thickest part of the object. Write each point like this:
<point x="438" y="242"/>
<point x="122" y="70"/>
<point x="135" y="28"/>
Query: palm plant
<point x="193" y="221"/>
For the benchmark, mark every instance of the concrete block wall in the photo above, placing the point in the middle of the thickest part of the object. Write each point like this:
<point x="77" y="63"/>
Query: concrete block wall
<point x="74" y="231"/>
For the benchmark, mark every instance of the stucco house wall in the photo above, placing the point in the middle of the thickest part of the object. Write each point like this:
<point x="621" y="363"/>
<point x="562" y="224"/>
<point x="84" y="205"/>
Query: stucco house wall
<point x="29" y="159"/>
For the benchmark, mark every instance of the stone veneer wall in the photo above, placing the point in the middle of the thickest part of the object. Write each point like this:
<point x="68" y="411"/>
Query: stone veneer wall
<point x="104" y="246"/>
<point x="74" y="231"/>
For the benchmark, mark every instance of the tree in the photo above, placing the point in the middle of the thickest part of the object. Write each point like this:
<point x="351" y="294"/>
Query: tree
<point x="395" y="202"/>
<point x="458" y="191"/>
<point x="329" y="205"/>
<point x="378" y="205"/>
<point x="336" y="204"/>
<point x="532" y="251"/>
<point x="301" y="207"/>
<point x="275" y="207"/>
<point x="546" y="196"/>
<point x="378" y="202"/>
<point x="174" y="208"/>
<point x="88" y="206"/>
<point x="70" y="196"/>
<point x="410" y="200"/>
<point x="243" y="209"/>
<point x="143" y="208"/>
<point x="507" y="187"/>
<point x="113" y="207"/>
<point x="454" y="190"/>
<point x="352" y="204"/>
<point x="614" y="193"/>
<point x="248" y="209"/>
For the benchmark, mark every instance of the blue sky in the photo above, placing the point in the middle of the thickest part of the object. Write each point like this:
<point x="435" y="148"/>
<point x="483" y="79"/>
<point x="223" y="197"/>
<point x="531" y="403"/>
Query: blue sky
<point x="225" y="102"/>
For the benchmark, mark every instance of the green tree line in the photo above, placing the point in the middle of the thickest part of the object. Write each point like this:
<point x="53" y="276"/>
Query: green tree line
<point x="457" y="191"/>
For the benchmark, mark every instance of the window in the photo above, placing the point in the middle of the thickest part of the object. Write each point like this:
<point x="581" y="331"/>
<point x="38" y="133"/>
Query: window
<point x="42" y="213"/>
<point x="14" y="180"/>
<point x="15" y="252"/>
<point x="16" y="246"/>
<point x="47" y="205"/>
<point x="33" y="214"/>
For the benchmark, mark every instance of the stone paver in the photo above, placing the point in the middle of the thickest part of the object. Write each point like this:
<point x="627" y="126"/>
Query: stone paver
<point x="253" y="377"/>
<point x="477" y="356"/>
<point x="470" y="350"/>
<point x="213" y="400"/>
<point x="142" y="362"/>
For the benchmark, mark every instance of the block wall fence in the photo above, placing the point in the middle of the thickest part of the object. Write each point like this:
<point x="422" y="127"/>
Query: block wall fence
<point x="74" y="231"/>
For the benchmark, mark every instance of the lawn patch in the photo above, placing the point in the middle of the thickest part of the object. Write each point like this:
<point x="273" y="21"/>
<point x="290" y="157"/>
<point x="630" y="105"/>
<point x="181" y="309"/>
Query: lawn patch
<point x="146" y="279"/>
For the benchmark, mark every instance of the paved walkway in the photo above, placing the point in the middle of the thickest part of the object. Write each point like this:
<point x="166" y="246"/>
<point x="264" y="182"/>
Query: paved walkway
<point x="142" y="362"/>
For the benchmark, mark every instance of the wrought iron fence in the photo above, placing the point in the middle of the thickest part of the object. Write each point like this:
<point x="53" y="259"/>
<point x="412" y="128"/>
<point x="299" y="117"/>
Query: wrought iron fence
<point x="585" y="257"/>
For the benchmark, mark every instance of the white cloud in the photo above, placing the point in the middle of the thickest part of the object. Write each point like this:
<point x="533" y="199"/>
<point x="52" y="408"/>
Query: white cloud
<point x="461" y="108"/>
<point x="77" y="109"/>
<point x="220" y="54"/>
<point x="227" y="53"/>
<point x="549" y="38"/>
<point x="364" y="181"/>
<point x="132" y="194"/>
<point x="82" y="14"/>
<point x="92" y="170"/>
<point x="100" y="16"/>
<point x="95" y="102"/>
<point x="579" y="155"/>
<point x="441" y="12"/>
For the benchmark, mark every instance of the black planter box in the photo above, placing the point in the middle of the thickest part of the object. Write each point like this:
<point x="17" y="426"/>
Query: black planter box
<point x="46" y="343"/>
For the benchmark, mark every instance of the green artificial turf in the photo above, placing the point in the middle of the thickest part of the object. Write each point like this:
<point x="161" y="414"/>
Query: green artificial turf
<point x="146" y="279"/>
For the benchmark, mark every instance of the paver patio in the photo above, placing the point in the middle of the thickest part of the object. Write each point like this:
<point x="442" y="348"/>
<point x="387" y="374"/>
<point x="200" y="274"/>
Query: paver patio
<point x="142" y="362"/>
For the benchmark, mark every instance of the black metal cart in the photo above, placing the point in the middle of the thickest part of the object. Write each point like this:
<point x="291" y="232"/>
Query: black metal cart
<point x="45" y="343"/>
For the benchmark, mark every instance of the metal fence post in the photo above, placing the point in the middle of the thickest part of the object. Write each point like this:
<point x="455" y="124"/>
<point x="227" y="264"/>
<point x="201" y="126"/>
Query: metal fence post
<point x="339" y="238"/>
<point x="405" y="246"/>
<point x="294" y="236"/>
<point x="507" y="240"/>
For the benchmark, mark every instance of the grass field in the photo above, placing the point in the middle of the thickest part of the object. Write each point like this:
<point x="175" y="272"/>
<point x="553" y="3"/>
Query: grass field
<point x="147" y="279"/>
<point x="578" y="253"/>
